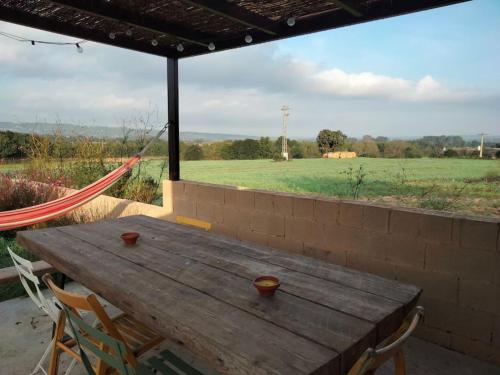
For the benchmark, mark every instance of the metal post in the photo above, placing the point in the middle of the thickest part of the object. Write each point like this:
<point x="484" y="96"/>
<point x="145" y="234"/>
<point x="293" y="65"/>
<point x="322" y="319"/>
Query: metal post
<point x="173" y="119"/>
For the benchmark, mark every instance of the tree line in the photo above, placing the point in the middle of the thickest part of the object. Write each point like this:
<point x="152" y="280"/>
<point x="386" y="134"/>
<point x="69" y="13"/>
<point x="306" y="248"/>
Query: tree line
<point x="18" y="146"/>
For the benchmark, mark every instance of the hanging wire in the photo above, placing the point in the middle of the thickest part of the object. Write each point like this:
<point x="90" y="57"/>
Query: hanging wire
<point x="35" y="41"/>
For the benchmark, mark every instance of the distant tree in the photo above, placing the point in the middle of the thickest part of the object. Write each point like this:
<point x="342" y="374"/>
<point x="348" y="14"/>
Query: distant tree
<point x="380" y="139"/>
<point x="366" y="148"/>
<point x="266" y="148"/>
<point x="329" y="140"/>
<point x="450" y="153"/>
<point x="193" y="152"/>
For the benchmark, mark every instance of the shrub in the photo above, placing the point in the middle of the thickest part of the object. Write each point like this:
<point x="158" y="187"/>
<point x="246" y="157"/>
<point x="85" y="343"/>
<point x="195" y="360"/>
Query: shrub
<point x="450" y="153"/>
<point x="193" y="152"/>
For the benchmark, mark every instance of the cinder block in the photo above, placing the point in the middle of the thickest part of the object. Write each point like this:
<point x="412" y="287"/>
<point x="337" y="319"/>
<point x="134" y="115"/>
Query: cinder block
<point x="475" y="348"/>
<point x="404" y="223"/>
<point x="236" y="218"/>
<point x="337" y="237"/>
<point x="436" y="285"/>
<point x="351" y="214"/>
<point x="185" y="207"/>
<point x="245" y="199"/>
<point x="254" y="237"/>
<point x="230" y="197"/>
<point x="405" y="250"/>
<point x="483" y="296"/>
<point x="268" y="223"/>
<point x="376" y="219"/>
<point x="458" y="320"/>
<point x="304" y="230"/>
<point x="285" y="244"/>
<point x="478" y="234"/>
<point x="434" y="335"/>
<point x="326" y="211"/>
<point x="177" y="188"/>
<point x="371" y="245"/>
<point x="230" y="231"/>
<point x="371" y="265"/>
<point x="211" y="212"/>
<point x="436" y="228"/>
<point x="190" y="190"/>
<point x="467" y="264"/>
<point x="212" y="194"/>
<point x="315" y="252"/>
<point x="283" y="204"/>
<point x="264" y="201"/>
<point x="303" y="207"/>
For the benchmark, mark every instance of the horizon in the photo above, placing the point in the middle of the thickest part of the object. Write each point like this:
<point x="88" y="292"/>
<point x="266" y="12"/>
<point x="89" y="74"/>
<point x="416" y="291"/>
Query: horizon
<point x="400" y="77"/>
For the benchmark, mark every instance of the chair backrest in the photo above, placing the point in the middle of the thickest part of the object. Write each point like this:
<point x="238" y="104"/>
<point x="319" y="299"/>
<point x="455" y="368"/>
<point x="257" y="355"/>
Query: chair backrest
<point x="75" y="303"/>
<point x="193" y="222"/>
<point x="374" y="358"/>
<point x="92" y="339"/>
<point x="31" y="284"/>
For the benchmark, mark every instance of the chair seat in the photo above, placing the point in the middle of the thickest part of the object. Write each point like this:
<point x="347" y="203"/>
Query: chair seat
<point x="136" y="335"/>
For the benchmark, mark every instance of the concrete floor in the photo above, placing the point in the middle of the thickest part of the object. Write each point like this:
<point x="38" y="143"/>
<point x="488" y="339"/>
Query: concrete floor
<point x="25" y="333"/>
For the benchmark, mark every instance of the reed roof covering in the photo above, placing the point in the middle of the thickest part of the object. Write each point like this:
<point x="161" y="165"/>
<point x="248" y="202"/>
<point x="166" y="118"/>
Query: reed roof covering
<point x="183" y="28"/>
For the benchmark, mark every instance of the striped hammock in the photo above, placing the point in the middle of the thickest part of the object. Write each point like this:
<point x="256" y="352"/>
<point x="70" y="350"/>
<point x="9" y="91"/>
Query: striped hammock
<point x="47" y="211"/>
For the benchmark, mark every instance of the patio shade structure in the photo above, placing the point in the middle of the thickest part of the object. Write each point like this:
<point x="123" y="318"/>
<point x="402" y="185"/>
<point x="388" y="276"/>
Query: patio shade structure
<point x="176" y="29"/>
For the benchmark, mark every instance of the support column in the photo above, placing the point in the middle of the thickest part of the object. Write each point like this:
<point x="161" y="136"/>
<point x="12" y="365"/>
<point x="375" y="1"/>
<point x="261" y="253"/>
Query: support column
<point x="173" y="119"/>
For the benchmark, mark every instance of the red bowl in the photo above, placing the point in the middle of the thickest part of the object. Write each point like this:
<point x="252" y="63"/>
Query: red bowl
<point x="266" y="285"/>
<point x="130" y="238"/>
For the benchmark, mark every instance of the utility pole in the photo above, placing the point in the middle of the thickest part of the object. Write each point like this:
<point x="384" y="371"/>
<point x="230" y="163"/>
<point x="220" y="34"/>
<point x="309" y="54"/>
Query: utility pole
<point x="482" y="145"/>
<point x="284" y="142"/>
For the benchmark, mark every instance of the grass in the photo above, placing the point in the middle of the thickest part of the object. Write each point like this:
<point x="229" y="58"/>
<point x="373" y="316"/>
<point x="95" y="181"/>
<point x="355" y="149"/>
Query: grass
<point x="466" y="185"/>
<point x="16" y="289"/>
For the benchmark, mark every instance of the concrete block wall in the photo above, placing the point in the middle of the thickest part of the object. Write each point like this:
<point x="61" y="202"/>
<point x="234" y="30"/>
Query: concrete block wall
<point x="454" y="258"/>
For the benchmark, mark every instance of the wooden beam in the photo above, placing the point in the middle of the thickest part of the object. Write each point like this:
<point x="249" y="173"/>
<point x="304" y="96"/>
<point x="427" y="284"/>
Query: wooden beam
<point x="173" y="119"/>
<point x="52" y="25"/>
<point x="349" y="6"/>
<point x="237" y="14"/>
<point x="331" y="21"/>
<point x="142" y="21"/>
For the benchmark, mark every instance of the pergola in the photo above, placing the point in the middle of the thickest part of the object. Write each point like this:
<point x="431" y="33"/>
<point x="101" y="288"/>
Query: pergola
<point x="175" y="29"/>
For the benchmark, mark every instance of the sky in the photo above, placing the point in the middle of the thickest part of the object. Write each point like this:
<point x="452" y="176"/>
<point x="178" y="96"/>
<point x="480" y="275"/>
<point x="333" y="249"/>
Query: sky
<point x="428" y="73"/>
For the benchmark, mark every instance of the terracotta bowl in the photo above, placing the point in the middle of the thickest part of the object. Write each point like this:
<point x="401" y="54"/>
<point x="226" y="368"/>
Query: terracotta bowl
<point x="130" y="238"/>
<point x="266" y="285"/>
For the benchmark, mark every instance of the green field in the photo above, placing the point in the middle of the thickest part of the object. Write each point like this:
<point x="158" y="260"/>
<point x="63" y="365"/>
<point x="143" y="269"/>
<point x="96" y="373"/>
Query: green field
<point x="452" y="184"/>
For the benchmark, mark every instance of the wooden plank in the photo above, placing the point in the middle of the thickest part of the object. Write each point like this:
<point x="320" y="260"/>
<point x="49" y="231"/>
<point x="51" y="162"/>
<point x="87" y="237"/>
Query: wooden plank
<point x="9" y="274"/>
<point x="385" y="313"/>
<point x="339" y="331"/>
<point x="377" y="285"/>
<point x="233" y="341"/>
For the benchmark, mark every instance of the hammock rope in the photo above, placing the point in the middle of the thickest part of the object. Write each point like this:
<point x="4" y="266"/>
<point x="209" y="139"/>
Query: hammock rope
<point x="50" y="210"/>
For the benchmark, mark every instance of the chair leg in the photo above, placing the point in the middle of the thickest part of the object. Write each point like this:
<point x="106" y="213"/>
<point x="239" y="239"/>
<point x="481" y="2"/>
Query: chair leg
<point x="56" y="352"/>
<point x="399" y="363"/>
<point x="39" y="365"/>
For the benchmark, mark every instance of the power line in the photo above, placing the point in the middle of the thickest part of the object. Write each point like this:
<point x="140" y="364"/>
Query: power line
<point x="33" y="42"/>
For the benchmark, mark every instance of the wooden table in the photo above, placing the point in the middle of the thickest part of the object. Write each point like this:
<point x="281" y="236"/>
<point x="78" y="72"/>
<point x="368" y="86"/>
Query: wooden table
<point x="196" y="287"/>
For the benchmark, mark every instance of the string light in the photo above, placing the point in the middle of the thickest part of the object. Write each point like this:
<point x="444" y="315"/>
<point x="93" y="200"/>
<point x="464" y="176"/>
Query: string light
<point x="290" y="21"/>
<point x="211" y="47"/>
<point x="248" y="38"/>
<point x="128" y="32"/>
<point x="154" y="42"/>
<point x="34" y="41"/>
<point x="112" y="35"/>
<point x="180" y="47"/>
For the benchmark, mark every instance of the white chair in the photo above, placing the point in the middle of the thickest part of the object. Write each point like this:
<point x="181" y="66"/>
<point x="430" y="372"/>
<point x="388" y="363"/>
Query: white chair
<point x="31" y="284"/>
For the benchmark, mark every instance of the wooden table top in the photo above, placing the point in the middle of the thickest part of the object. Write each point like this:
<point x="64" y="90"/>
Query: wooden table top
<point x="196" y="287"/>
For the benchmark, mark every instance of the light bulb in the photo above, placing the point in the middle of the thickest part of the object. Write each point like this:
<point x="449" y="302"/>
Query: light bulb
<point x="128" y="32"/>
<point x="248" y="38"/>
<point x="154" y="42"/>
<point x="290" y="21"/>
<point x="180" y="47"/>
<point x="79" y="48"/>
<point x="112" y="35"/>
<point x="211" y="47"/>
